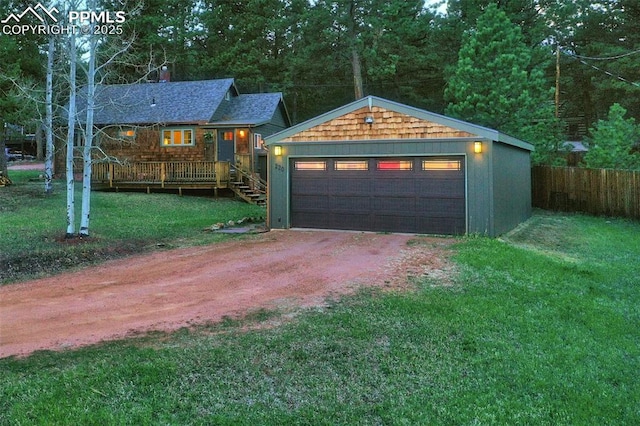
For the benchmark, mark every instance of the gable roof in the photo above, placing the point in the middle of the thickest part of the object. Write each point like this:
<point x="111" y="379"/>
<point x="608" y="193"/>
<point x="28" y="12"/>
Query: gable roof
<point x="250" y="109"/>
<point x="371" y="101"/>
<point x="575" y="146"/>
<point x="182" y="102"/>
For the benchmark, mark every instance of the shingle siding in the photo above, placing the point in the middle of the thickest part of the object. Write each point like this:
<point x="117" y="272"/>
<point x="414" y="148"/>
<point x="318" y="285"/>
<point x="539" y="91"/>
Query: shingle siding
<point x="387" y="124"/>
<point x="203" y="106"/>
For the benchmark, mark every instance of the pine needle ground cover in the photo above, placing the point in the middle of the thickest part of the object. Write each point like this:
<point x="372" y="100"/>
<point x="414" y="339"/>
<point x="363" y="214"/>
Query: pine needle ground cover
<point x="540" y="327"/>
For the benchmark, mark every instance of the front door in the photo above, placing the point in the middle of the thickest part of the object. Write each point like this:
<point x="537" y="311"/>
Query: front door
<point x="226" y="149"/>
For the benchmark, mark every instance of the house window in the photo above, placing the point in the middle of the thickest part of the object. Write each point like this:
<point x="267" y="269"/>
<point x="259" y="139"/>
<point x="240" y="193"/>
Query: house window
<point x="441" y="165"/>
<point x="127" y="134"/>
<point x="227" y="136"/>
<point x="395" y="165"/>
<point x="177" y="137"/>
<point x="258" y="141"/>
<point x="351" y="165"/>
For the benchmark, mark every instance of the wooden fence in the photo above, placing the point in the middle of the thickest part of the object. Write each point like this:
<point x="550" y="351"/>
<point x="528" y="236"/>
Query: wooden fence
<point x="595" y="191"/>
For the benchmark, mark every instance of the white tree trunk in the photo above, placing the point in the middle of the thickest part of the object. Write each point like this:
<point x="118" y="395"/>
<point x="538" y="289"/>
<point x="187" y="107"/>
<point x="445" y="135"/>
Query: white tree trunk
<point x="88" y="143"/>
<point x="49" y="148"/>
<point x="71" y="226"/>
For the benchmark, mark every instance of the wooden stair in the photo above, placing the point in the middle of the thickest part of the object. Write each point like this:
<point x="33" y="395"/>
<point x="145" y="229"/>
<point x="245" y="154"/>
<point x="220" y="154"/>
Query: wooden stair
<point x="248" y="188"/>
<point x="249" y="195"/>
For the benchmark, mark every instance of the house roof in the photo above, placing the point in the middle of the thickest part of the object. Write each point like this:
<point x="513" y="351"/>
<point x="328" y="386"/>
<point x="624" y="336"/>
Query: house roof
<point x="370" y="101"/>
<point x="575" y="146"/>
<point x="183" y="102"/>
<point x="174" y="102"/>
<point x="250" y="109"/>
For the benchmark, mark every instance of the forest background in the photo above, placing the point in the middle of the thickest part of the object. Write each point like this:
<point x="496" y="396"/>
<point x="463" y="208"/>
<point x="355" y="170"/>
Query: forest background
<point x="581" y="55"/>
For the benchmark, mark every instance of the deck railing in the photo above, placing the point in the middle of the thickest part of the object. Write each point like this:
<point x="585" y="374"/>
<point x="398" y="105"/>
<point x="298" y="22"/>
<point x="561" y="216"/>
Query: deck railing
<point x="216" y="173"/>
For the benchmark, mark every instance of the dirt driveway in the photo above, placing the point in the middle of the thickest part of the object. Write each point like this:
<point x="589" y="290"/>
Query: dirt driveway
<point x="172" y="289"/>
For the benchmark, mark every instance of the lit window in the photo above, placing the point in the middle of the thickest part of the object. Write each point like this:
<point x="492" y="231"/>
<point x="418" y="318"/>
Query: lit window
<point x="351" y="165"/>
<point x="311" y="165"/>
<point x="395" y="165"/>
<point x="441" y="165"/>
<point x="227" y="136"/>
<point x="177" y="137"/>
<point x="127" y="134"/>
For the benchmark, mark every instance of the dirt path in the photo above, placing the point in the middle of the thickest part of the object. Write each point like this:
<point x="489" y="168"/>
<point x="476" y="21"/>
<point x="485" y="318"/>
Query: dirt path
<point x="26" y="165"/>
<point x="172" y="289"/>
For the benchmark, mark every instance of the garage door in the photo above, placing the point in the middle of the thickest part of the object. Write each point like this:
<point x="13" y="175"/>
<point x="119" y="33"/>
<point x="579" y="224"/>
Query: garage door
<point x="417" y="195"/>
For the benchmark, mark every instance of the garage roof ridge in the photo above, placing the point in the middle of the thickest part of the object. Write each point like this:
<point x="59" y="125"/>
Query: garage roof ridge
<point x="370" y="101"/>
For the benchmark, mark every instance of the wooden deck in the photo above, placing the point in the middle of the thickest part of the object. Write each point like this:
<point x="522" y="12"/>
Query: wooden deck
<point x="162" y="175"/>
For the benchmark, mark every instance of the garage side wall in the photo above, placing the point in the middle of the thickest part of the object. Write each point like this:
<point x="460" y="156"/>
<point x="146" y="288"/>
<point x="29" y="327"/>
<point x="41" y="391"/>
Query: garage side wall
<point x="479" y="205"/>
<point x="477" y="167"/>
<point x="511" y="187"/>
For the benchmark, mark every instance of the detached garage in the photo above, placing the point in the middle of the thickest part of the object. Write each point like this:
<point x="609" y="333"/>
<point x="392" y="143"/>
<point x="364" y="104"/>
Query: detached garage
<point x="376" y="165"/>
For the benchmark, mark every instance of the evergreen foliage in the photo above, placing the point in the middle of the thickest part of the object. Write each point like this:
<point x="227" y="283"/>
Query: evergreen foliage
<point x="615" y="142"/>
<point x="493" y="59"/>
<point x="494" y="85"/>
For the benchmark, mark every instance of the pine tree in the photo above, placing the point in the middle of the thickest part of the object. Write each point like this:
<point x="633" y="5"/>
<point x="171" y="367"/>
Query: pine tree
<point x="613" y="140"/>
<point x="492" y="84"/>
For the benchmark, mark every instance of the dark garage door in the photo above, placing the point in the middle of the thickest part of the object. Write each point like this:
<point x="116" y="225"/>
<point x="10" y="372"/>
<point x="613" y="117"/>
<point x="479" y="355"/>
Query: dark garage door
<point x="417" y="195"/>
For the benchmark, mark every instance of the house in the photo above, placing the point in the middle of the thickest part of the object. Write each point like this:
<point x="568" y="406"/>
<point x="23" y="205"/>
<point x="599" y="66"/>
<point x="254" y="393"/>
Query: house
<point x="377" y="165"/>
<point x="179" y="134"/>
<point x="20" y="145"/>
<point x="575" y="152"/>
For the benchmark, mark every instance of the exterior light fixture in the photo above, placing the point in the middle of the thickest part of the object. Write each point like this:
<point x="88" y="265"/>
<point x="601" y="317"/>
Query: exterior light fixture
<point x="477" y="147"/>
<point x="277" y="150"/>
<point x="369" y="120"/>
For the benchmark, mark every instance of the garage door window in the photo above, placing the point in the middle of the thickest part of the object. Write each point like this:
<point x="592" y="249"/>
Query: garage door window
<point x="351" y="165"/>
<point x="394" y="165"/>
<point x="310" y="165"/>
<point x="441" y="165"/>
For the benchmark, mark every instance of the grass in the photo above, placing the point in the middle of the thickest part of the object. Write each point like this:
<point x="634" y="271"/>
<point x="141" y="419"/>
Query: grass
<point x="33" y="225"/>
<point x="540" y="327"/>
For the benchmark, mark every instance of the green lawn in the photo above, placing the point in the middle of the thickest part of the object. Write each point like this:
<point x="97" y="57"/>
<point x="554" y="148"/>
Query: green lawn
<point x="32" y="225"/>
<point x="541" y="327"/>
